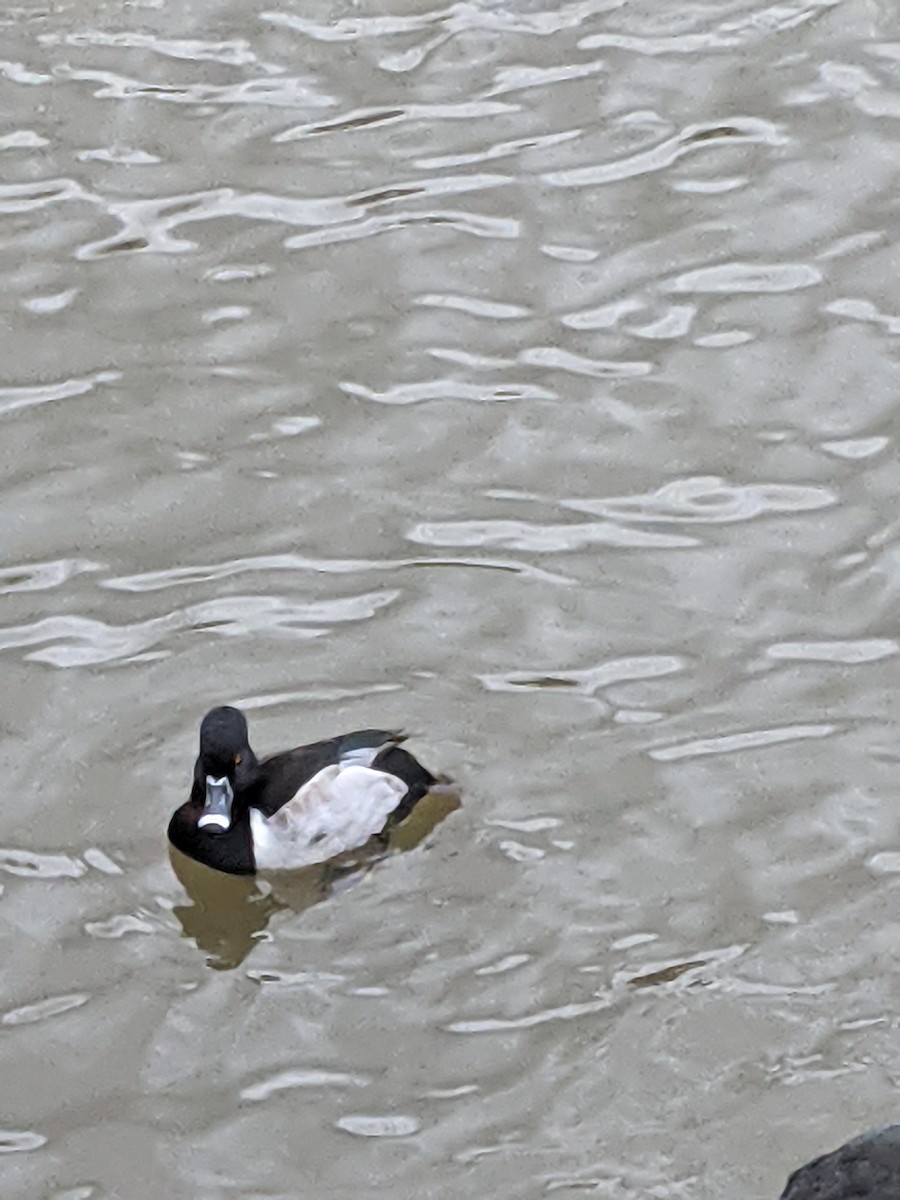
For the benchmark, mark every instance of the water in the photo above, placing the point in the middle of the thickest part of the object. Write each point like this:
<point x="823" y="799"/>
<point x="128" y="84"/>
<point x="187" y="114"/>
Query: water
<point x="524" y="375"/>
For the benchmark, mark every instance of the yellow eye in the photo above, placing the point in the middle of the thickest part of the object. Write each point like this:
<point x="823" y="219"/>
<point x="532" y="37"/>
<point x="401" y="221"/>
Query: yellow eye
<point x="237" y="760"/>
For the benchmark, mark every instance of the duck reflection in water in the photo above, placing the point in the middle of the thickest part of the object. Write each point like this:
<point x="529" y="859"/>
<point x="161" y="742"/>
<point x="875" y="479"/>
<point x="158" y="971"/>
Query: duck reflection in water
<point x="228" y="914"/>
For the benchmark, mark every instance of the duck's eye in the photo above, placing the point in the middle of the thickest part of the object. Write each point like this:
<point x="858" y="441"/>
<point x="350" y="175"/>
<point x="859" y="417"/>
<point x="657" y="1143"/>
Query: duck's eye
<point x="237" y="760"/>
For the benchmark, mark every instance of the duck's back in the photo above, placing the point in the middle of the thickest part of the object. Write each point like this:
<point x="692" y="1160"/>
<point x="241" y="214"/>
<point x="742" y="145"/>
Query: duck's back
<point x="866" y="1168"/>
<point x="286" y="773"/>
<point x="318" y="801"/>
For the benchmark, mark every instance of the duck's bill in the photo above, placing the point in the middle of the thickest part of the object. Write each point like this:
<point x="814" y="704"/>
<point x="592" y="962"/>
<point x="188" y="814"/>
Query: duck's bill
<point x="216" y="815"/>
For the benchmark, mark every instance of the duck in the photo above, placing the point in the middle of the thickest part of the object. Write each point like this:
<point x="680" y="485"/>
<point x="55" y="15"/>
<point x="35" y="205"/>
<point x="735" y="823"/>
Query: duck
<point x="866" y="1168"/>
<point x="297" y="808"/>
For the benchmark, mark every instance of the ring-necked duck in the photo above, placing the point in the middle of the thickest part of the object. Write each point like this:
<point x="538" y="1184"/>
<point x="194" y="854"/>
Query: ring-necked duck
<point x="868" y="1168"/>
<point x="294" y="809"/>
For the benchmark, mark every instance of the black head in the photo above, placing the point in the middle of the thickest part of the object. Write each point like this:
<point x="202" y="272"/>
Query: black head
<point x="226" y="769"/>
<point x="223" y="740"/>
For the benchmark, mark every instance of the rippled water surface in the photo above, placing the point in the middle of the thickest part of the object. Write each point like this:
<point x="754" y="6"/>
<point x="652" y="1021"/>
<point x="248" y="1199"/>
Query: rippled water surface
<point x="524" y="374"/>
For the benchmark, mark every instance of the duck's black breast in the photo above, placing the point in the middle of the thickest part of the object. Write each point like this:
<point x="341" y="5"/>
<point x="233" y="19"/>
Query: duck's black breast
<point x="867" y="1168"/>
<point x="230" y="851"/>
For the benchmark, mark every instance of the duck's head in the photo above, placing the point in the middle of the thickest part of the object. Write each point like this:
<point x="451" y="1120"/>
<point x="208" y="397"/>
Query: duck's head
<point x="226" y="767"/>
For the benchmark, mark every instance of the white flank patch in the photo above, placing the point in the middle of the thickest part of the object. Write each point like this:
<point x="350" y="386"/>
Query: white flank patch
<point x="337" y="810"/>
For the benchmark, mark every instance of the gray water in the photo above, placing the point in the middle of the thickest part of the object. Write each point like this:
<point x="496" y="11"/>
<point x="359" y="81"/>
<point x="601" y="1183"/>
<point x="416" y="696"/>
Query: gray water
<point x="524" y="375"/>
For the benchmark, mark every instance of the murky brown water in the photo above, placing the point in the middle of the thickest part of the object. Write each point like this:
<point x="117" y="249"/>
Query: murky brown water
<point x="525" y="374"/>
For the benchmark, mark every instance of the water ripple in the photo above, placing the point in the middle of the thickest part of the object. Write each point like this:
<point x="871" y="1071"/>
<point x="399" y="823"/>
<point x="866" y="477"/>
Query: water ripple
<point x="236" y="53"/>
<point x="475" y="306"/>
<point x="685" y="972"/>
<point x="378" y="1126"/>
<point x="565" y="1012"/>
<point x="554" y="358"/>
<point x="362" y="118"/>
<point x="509" y="962"/>
<point x="448" y="389"/>
<point x="22" y="139"/>
<point x="299" y="1077"/>
<point x="588" y="682"/>
<point x="518" y="852"/>
<point x="605" y="316"/>
<point x="537" y="538"/>
<point x="864" y="650"/>
<point x="53" y="1006"/>
<point x="152" y="581"/>
<point x="707" y="499"/>
<point x="519" y="78"/>
<point x="501" y="149"/>
<point x="684" y="43"/>
<point x="856" y="448"/>
<point x="14" y="398"/>
<point x="350" y="29"/>
<point x="40" y="866"/>
<point x="17" y="72"/>
<point x="524" y="825"/>
<point x="101" y="862"/>
<point x="736" y="277"/>
<point x="315" y="981"/>
<point x="738" y="130"/>
<point x="40" y="577"/>
<point x="730" y="743"/>
<point x="316" y="695"/>
<point x="280" y="92"/>
<point x="731" y="32"/>
<point x="366" y="118"/>
<point x="120" y="926"/>
<point x="82" y="641"/>
<point x="886" y="862"/>
<point x="859" y="309"/>
<point x="846" y="81"/>
<point x="150" y="224"/>
<point x="20" y="1141"/>
<point x="16" y="198"/>
<point x="474" y="224"/>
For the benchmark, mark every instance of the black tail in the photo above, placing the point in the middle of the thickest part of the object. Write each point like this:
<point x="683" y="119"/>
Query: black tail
<point x="363" y="739"/>
<point x="399" y="762"/>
